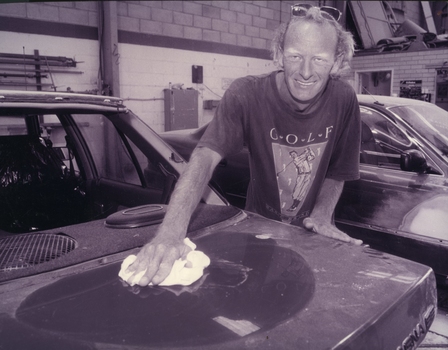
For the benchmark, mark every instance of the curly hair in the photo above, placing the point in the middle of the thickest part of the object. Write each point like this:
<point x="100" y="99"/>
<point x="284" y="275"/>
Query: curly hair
<point x="345" y="45"/>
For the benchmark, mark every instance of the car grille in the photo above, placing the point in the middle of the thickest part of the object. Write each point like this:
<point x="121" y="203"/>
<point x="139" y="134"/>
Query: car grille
<point x="22" y="251"/>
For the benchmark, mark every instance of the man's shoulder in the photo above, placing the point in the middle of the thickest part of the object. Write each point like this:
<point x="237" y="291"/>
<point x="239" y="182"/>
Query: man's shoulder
<point x="342" y="88"/>
<point x="250" y="81"/>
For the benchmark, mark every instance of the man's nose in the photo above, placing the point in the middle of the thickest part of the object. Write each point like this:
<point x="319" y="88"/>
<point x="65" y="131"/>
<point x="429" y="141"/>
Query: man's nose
<point x="306" y="69"/>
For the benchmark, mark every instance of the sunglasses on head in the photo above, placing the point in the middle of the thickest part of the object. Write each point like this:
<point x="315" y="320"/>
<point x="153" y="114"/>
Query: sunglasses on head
<point x="331" y="13"/>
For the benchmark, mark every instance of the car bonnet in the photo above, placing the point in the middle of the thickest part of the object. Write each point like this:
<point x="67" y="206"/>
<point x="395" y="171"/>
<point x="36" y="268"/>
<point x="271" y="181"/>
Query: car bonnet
<point x="270" y="285"/>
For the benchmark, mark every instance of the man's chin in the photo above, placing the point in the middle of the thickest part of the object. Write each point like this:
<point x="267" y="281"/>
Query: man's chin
<point x="303" y="98"/>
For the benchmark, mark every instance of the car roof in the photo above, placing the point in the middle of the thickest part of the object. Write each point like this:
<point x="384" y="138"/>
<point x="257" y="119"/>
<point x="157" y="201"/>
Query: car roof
<point x="59" y="100"/>
<point x="9" y="97"/>
<point x="388" y="101"/>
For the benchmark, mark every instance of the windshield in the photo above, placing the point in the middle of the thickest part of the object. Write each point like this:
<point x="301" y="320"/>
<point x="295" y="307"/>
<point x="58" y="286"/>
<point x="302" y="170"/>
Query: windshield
<point x="429" y="121"/>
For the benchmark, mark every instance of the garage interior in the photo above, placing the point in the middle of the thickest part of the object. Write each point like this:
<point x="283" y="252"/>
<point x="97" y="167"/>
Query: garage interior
<point x="172" y="61"/>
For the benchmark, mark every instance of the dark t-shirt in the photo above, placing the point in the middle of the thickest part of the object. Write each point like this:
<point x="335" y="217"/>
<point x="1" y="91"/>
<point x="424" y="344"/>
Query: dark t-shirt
<point x="291" y="153"/>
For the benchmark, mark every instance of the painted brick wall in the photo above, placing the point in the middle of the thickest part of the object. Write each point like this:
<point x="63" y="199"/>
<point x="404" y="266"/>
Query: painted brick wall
<point x="146" y="71"/>
<point x="74" y="12"/>
<point x="405" y="66"/>
<point x="243" y="23"/>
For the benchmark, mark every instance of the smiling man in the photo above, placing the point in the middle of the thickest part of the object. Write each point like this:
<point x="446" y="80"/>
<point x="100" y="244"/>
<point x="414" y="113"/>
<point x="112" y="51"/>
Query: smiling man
<point x="308" y="57"/>
<point x="302" y="109"/>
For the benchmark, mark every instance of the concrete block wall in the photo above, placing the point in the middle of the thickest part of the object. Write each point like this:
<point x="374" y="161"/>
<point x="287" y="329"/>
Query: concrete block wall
<point x="145" y="71"/>
<point x="405" y="66"/>
<point x="245" y="23"/>
<point x="74" y="12"/>
<point x="242" y="23"/>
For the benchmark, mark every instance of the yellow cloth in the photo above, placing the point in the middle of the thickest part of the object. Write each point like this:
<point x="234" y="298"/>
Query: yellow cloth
<point x="180" y="274"/>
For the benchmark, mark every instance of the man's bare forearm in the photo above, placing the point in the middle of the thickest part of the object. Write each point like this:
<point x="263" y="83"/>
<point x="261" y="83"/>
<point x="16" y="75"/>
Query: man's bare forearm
<point x="188" y="191"/>
<point x="328" y="198"/>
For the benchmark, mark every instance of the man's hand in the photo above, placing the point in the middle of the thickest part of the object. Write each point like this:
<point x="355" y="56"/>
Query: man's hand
<point x="320" y="220"/>
<point x="157" y="258"/>
<point x="326" y="228"/>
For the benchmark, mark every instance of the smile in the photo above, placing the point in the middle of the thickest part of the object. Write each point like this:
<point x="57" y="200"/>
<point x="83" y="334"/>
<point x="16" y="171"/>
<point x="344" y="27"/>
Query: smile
<point x="304" y="83"/>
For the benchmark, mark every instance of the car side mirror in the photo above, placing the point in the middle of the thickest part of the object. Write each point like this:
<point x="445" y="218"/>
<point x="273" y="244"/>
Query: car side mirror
<point x="413" y="160"/>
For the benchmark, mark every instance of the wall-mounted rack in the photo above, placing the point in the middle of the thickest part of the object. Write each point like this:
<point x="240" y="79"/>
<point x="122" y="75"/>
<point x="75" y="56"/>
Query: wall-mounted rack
<point x="17" y="69"/>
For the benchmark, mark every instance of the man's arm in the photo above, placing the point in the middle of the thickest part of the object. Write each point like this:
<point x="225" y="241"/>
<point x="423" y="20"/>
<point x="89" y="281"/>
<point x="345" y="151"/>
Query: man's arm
<point x="159" y="255"/>
<point x="320" y="220"/>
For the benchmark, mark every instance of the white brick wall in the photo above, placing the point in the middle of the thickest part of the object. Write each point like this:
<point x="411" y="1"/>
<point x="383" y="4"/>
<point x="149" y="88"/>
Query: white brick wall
<point x="146" y="71"/>
<point x="405" y="66"/>
<point x="83" y="51"/>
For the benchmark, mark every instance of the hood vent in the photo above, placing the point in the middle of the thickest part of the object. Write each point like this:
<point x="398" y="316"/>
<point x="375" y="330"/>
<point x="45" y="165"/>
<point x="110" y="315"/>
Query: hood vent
<point x="22" y="251"/>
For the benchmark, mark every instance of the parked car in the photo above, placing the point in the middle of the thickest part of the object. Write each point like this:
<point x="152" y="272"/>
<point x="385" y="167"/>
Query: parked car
<point x="84" y="184"/>
<point x="400" y="203"/>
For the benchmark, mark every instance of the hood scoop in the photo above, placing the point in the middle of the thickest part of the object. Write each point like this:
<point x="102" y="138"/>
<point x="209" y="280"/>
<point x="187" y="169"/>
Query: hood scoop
<point x="144" y="215"/>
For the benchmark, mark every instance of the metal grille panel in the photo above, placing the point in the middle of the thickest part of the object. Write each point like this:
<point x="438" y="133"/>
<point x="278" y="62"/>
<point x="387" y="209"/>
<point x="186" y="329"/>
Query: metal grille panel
<point x="22" y="251"/>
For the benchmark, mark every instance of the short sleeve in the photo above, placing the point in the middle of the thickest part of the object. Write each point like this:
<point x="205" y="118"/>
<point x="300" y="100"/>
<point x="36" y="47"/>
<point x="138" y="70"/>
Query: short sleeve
<point x="225" y="133"/>
<point x="344" y="163"/>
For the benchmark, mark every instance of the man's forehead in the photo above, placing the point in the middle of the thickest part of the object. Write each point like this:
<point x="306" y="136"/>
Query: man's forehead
<point x="323" y="34"/>
<point x="302" y="28"/>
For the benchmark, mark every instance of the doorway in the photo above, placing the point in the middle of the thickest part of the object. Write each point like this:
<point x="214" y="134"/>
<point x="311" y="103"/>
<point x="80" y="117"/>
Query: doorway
<point x="374" y="82"/>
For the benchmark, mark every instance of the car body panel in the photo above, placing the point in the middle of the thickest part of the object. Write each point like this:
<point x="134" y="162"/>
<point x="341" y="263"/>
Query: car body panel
<point x="255" y="261"/>
<point x="400" y="212"/>
<point x="409" y="208"/>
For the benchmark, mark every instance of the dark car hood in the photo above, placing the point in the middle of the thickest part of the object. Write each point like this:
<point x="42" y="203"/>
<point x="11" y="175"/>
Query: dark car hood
<point x="269" y="285"/>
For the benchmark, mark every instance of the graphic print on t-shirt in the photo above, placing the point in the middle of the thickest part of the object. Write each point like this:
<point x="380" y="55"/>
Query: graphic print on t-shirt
<point x="295" y="169"/>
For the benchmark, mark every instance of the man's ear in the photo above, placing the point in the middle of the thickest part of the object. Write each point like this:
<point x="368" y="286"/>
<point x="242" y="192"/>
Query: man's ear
<point x="278" y="58"/>
<point x="337" y="65"/>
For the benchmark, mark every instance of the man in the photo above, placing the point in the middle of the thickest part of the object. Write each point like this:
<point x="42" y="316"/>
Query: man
<point x="301" y="106"/>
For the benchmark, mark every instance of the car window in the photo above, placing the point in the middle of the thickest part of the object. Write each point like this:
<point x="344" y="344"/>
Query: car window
<point x="113" y="154"/>
<point x="44" y="131"/>
<point x="40" y="186"/>
<point x="429" y="120"/>
<point x="53" y="132"/>
<point x="46" y="167"/>
<point x="382" y="141"/>
<point x="13" y="126"/>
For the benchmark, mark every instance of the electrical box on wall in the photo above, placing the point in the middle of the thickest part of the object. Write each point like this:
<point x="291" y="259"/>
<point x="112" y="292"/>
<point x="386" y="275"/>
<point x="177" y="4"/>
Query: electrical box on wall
<point x="181" y="109"/>
<point x="196" y="74"/>
<point x="210" y="104"/>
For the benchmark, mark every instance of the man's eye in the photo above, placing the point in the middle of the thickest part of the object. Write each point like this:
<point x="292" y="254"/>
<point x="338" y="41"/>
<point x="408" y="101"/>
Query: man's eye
<point x="320" y="61"/>
<point x="293" y="58"/>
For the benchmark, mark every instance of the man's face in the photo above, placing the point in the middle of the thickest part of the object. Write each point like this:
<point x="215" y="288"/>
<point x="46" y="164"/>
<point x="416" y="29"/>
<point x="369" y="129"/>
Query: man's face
<point x="309" y="55"/>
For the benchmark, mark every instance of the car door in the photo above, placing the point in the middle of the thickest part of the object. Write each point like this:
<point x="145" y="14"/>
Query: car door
<point x="118" y="173"/>
<point x="380" y="206"/>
